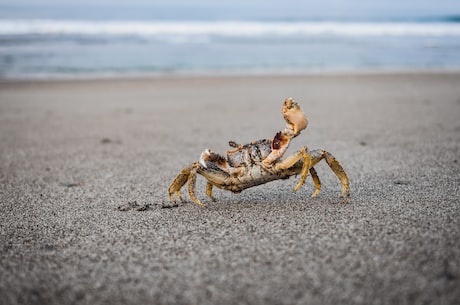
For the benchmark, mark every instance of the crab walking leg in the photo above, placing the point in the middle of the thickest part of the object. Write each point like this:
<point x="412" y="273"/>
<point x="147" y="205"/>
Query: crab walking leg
<point x="178" y="183"/>
<point x="305" y="167"/>
<point x="209" y="191"/>
<point x="316" y="181"/>
<point x="318" y="155"/>
<point x="191" y="188"/>
<point x="340" y="173"/>
<point x="292" y="160"/>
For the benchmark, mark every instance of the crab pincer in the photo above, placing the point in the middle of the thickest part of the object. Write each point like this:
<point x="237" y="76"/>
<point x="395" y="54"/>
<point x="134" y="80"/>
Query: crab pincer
<point x="259" y="162"/>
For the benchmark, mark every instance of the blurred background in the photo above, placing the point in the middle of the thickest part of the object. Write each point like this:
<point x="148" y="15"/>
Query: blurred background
<point x="58" y="39"/>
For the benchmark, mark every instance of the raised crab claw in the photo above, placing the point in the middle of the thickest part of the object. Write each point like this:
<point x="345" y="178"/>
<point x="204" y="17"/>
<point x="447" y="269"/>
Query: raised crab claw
<point x="260" y="162"/>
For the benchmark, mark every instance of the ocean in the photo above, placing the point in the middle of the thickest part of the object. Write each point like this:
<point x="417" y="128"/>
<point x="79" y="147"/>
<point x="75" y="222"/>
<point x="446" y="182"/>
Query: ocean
<point x="68" y="41"/>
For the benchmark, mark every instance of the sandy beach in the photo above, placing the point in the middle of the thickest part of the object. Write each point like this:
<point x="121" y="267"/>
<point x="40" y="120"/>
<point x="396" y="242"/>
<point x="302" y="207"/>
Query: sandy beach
<point x="73" y="151"/>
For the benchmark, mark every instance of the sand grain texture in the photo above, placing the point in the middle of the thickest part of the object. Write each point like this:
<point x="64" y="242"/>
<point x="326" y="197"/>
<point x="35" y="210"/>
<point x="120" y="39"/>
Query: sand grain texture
<point x="73" y="151"/>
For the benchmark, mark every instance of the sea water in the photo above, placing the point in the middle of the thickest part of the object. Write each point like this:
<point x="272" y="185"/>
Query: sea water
<point x="38" y="41"/>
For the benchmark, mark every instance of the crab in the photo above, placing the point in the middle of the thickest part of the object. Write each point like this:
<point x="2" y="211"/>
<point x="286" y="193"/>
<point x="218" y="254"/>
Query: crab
<point x="260" y="162"/>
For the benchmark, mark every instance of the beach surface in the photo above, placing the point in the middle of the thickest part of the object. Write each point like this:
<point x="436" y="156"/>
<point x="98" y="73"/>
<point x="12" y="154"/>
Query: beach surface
<point x="74" y="151"/>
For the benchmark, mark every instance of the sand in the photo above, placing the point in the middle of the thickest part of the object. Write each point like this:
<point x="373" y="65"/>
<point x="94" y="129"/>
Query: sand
<point x="73" y="151"/>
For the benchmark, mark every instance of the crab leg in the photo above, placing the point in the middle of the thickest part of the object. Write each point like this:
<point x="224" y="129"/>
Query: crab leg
<point x="178" y="183"/>
<point x="316" y="181"/>
<point x="305" y="167"/>
<point x="191" y="188"/>
<point x="318" y="155"/>
<point x="292" y="160"/>
<point x="209" y="191"/>
<point x="187" y="174"/>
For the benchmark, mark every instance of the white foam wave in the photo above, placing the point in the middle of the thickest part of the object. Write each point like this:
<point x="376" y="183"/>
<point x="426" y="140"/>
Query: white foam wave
<point x="232" y="29"/>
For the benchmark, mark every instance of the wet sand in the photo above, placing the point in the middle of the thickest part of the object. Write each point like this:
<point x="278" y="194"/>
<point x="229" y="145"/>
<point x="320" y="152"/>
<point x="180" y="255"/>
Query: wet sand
<point x="72" y="152"/>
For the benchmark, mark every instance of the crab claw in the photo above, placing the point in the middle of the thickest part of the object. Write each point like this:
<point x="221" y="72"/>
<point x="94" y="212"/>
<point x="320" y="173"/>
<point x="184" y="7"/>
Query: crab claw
<point x="205" y="156"/>
<point x="294" y="116"/>
<point x="280" y="144"/>
<point x="212" y="160"/>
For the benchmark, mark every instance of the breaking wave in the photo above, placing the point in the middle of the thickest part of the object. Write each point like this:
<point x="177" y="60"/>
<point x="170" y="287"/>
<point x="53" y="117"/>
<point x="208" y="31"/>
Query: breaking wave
<point x="227" y="28"/>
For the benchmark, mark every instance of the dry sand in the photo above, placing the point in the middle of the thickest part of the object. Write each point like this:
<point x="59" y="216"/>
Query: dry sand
<point x="73" y="151"/>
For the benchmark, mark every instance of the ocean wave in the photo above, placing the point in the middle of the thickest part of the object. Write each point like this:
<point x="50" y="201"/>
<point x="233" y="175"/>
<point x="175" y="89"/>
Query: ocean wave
<point x="227" y="28"/>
